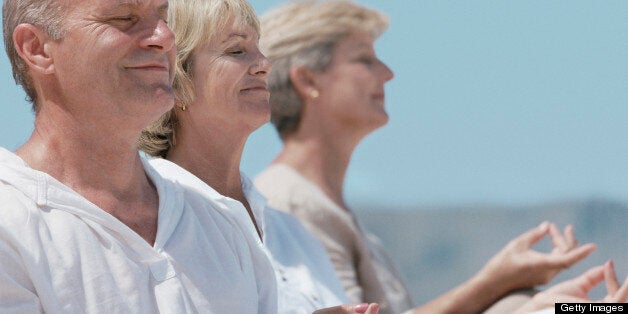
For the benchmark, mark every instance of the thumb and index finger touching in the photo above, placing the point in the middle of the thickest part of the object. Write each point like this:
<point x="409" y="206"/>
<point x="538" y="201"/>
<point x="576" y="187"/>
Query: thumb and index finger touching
<point x="567" y="245"/>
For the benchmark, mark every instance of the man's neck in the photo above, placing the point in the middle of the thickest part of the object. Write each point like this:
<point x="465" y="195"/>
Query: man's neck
<point x="105" y="170"/>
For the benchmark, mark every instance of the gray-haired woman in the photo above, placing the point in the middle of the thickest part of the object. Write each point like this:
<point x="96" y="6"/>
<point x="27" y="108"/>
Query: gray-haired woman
<point x="327" y="94"/>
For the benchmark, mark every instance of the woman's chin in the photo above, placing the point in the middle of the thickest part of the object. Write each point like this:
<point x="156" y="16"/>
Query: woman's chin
<point x="382" y="118"/>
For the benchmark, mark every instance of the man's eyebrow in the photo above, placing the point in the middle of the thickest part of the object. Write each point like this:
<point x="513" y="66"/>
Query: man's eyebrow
<point x="162" y="9"/>
<point x="138" y="3"/>
<point x="128" y="3"/>
<point x="121" y="4"/>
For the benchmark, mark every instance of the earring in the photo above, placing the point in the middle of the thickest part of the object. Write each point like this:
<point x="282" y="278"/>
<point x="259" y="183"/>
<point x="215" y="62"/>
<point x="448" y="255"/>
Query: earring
<point x="314" y="94"/>
<point x="183" y="108"/>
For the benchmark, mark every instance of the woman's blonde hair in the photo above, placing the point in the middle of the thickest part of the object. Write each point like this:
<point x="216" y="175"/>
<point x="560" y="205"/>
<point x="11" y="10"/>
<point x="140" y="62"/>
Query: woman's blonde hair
<point x="194" y="23"/>
<point x="305" y="34"/>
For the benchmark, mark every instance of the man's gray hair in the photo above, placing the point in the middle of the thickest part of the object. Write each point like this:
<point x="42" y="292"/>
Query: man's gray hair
<point x="46" y="14"/>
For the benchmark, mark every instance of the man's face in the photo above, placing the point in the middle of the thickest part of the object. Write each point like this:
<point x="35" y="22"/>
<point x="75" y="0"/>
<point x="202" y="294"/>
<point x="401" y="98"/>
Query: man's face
<point x="116" y="59"/>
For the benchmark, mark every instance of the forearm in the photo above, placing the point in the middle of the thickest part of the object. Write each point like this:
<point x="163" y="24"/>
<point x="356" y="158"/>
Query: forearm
<point x="472" y="296"/>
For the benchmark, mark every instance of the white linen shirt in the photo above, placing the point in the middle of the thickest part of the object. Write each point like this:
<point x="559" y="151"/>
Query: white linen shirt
<point x="306" y="279"/>
<point x="60" y="253"/>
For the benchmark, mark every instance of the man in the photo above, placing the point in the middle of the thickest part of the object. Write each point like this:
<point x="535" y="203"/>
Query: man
<point x="85" y="224"/>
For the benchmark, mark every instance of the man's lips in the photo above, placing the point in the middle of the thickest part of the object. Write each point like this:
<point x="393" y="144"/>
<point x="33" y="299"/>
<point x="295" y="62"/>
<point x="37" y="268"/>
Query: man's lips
<point x="151" y="66"/>
<point x="255" y="89"/>
<point x="260" y="87"/>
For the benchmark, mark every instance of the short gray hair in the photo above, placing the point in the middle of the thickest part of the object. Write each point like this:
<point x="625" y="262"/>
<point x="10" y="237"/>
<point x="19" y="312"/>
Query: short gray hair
<point x="305" y="33"/>
<point x="194" y="23"/>
<point x="47" y="14"/>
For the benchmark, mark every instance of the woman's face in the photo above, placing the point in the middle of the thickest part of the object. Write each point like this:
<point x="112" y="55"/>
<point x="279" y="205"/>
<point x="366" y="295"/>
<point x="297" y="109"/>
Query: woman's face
<point x="229" y="74"/>
<point x="352" y="86"/>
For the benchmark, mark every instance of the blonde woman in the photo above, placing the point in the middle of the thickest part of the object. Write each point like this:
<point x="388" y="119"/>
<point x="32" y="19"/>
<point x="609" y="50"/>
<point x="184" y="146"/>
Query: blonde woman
<point x="327" y="94"/>
<point x="221" y="98"/>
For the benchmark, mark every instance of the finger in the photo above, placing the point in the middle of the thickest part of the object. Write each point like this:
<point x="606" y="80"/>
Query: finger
<point x="373" y="308"/>
<point x="344" y="309"/>
<point x="557" y="238"/>
<point x="532" y="236"/>
<point x="589" y="279"/>
<point x="622" y="294"/>
<point x="567" y="299"/>
<point x="610" y="278"/>
<point x="567" y="259"/>
<point x="570" y="238"/>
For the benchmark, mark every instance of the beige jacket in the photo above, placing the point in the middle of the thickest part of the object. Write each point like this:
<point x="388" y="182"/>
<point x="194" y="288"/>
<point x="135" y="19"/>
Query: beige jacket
<point x="364" y="268"/>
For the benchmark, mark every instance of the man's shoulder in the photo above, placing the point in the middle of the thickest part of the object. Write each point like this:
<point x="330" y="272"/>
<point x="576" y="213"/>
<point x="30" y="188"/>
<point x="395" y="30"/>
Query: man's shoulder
<point x="203" y="207"/>
<point x="13" y="201"/>
<point x="17" y="212"/>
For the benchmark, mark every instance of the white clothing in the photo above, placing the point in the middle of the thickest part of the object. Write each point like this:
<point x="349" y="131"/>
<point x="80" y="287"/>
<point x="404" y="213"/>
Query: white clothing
<point x="306" y="279"/>
<point x="60" y="253"/>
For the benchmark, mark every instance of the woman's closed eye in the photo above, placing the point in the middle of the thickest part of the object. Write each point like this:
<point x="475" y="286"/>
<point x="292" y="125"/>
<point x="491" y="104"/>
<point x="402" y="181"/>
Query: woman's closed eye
<point x="236" y="51"/>
<point x="369" y="61"/>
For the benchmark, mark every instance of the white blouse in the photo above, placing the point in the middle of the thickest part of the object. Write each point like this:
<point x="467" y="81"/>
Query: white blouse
<point x="306" y="279"/>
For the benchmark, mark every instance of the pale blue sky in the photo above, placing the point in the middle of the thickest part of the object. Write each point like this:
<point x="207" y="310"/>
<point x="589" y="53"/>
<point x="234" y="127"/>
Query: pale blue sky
<point x="505" y="102"/>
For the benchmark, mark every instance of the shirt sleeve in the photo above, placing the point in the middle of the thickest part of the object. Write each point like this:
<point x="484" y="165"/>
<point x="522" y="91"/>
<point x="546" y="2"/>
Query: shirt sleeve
<point x="17" y="293"/>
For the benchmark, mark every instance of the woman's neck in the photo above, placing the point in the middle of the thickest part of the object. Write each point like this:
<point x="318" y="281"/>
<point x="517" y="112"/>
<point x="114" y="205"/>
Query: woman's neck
<point x="215" y="163"/>
<point x="322" y="161"/>
<point x="215" y="160"/>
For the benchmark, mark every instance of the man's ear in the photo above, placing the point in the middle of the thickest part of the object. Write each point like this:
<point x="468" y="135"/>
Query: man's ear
<point x="304" y="82"/>
<point x="33" y="46"/>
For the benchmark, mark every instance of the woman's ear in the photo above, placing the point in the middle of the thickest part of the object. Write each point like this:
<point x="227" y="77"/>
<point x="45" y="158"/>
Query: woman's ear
<point x="304" y="82"/>
<point x="33" y="46"/>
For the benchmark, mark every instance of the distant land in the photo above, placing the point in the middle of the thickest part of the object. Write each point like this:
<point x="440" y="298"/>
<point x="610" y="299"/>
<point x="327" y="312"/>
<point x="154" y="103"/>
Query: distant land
<point x="439" y="248"/>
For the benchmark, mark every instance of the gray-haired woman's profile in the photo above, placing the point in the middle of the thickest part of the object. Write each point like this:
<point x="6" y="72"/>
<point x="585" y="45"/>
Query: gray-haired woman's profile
<point x="327" y="94"/>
